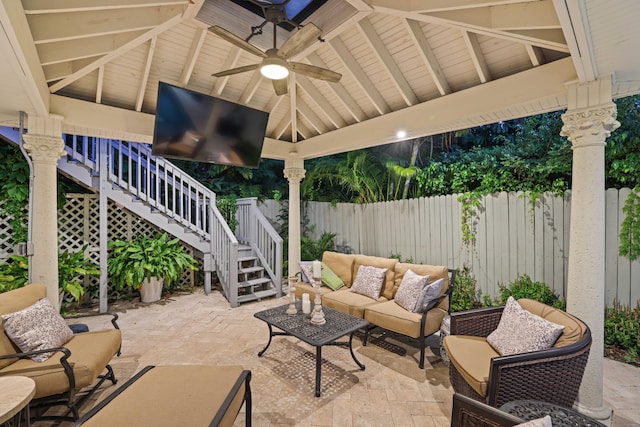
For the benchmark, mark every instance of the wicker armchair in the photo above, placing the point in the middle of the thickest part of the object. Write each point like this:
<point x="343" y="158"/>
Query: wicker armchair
<point x="552" y="375"/>
<point x="467" y="412"/>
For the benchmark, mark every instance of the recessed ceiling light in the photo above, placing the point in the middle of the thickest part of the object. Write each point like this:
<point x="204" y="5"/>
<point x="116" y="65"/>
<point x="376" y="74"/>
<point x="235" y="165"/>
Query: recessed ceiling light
<point x="401" y="134"/>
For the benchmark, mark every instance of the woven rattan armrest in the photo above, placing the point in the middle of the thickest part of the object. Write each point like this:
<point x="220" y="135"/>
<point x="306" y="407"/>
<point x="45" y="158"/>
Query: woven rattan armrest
<point x="478" y="322"/>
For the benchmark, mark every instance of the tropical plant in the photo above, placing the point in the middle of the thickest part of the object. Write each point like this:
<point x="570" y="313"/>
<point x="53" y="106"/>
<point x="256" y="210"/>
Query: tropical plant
<point x="144" y="257"/>
<point x="311" y="249"/>
<point x="465" y="292"/>
<point x="630" y="227"/>
<point x="524" y="287"/>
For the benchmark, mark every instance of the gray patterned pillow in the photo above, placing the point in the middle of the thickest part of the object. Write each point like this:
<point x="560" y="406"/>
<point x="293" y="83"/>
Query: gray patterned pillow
<point x="37" y="327"/>
<point x="539" y="422"/>
<point x="369" y="281"/>
<point x="306" y="267"/>
<point x="520" y="331"/>
<point x="409" y="290"/>
<point x="430" y="291"/>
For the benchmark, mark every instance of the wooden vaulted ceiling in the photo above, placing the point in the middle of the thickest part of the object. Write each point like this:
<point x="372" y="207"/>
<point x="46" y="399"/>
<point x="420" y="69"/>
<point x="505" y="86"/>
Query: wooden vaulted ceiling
<point x="416" y="65"/>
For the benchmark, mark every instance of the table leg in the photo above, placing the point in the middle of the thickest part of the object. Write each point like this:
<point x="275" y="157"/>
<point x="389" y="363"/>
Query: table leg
<point x="353" y="355"/>
<point x="268" y="343"/>
<point x="318" y="369"/>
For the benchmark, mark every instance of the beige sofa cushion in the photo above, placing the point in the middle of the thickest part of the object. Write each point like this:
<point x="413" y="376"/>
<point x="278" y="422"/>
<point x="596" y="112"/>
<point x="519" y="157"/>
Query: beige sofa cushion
<point x="390" y="315"/>
<point x="307" y="288"/>
<point x="349" y="302"/>
<point x="574" y="329"/>
<point x="341" y="264"/>
<point x="379" y="262"/>
<point x="11" y="302"/>
<point x="472" y="358"/>
<point x="90" y="353"/>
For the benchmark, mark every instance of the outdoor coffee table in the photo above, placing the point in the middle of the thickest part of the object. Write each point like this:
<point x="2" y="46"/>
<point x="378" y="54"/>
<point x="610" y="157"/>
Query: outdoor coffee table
<point x="299" y="325"/>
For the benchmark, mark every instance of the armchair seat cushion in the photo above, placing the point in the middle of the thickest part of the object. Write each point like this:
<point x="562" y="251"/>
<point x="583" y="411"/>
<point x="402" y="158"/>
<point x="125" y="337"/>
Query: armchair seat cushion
<point x="90" y="353"/>
<point x="349" y="302"/>
<point x="392" y="316"/>
<point x="471" y="356"/>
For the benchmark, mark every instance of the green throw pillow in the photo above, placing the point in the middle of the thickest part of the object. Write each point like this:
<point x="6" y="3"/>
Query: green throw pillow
<point x="331" y="279"/>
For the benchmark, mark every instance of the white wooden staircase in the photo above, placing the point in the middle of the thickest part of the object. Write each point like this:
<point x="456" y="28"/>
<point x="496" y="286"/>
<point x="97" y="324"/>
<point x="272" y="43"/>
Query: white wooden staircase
<point x="248" y="263"/>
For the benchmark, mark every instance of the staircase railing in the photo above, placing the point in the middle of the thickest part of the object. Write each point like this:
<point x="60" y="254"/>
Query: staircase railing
<point x="225" y="247"/>
<point x="255" y="229"/>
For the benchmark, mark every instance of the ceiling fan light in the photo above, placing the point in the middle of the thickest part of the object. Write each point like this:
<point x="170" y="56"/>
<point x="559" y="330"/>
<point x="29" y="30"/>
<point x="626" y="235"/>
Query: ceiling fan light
<point x="274" y="68"/>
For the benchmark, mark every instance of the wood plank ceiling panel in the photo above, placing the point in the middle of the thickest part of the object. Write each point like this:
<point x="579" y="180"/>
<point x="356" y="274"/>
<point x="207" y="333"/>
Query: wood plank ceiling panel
<point x="84" y="88"/>
<point x="504" y="57"/>
<point x="122" y="77"/>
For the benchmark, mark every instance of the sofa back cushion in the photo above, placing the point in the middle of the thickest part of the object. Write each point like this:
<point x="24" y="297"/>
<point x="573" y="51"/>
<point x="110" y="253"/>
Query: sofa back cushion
<point x="574" y="329"/>
<point x="379" y="262"/>
<point x="341" y="264"/>
<point x="13" y="301"/>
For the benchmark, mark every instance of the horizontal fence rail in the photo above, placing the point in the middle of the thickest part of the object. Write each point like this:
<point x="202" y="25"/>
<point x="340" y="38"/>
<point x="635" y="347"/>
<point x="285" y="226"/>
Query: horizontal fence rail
<point x="513" y="235"/>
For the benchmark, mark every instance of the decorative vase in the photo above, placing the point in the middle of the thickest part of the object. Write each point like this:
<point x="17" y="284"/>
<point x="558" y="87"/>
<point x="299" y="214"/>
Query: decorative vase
<point x="151" y="289"/>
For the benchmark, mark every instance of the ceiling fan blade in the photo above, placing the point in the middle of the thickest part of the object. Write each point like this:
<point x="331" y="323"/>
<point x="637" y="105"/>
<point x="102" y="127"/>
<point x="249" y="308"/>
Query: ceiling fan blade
<point x="236" y="41"/>
<point x="302" y="39"/>
<point x="315" y="72"/>
<point x="236" y="70"/>
<point x="281" y="86"/>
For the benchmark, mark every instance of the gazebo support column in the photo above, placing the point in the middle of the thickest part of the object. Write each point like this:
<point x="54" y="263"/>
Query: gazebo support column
<point x="294" y="172"/>
<point x="45" y="146"/>
<point x="589" y="120"/>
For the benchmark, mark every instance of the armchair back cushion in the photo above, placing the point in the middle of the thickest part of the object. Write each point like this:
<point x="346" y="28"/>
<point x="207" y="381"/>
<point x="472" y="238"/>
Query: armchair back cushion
<point x="574" y="329"/>
<point x="19" y="299"/>
<point x="341" y="264"/>
<point x="379" y="262"/>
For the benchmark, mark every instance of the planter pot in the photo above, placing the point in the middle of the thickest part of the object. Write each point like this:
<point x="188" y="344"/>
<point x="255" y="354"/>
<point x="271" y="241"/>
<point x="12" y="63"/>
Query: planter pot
<point x="151" y="290"/>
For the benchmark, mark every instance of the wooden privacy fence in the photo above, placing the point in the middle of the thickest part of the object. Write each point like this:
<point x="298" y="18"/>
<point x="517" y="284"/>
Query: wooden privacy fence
<point x="513" y="236"/>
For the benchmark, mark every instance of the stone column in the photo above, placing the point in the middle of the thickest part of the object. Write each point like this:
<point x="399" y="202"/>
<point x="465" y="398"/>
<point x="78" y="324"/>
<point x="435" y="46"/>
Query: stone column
<point x="589" y="120"/>
<point x="294" y="172"/>
<point x="45" y="146"/>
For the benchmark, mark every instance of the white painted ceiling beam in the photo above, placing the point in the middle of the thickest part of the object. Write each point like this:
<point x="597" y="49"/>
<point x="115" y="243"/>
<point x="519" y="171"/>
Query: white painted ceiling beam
<point x="471" y="106"/>
<point x="32" y="7"/>
<point x="428" y="56"/>
<point x="575" y="24"/>
<point x="71" y="50"/>
<point x="536" y="55"/>
<point x="58" y="27"/>
<point x="471" y="41"/>
<point x="304" y="130"/>
<point x="100" y="84"/>
<point x="250" y="89"/>
<point x="282" y="126"/>
<point x="145" y="74"/>
<point x="341" y="92"/>
<point x="420" y="6"/>
<point x="359" y="75"/>
<point x="230" y="62"/>
<point x="312" y="118"/>
<point x="63" y="70"/>
<point x="388" y="63"/>
<point x="293" y="108"/>
<point x="323" y="105"/>
<point x="175" y="20"/>
<point x="192" y="56"/>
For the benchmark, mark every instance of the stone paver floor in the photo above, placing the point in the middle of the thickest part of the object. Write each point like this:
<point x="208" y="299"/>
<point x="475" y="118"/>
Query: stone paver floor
<point x="392" y="391"/>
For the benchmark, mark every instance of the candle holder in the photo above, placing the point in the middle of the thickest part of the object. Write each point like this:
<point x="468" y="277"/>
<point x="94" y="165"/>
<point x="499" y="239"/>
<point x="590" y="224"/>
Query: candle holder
<point x="292" y="295"/>
<point x="317" y="316"/>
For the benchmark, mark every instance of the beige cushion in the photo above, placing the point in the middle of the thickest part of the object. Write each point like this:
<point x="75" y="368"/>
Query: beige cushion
<point x="90" y="353"/>
<point x="410" y="290"/>
<point x="10" y="302"/>
<point x="520" y="331"/>
<point x="434" y="272"/>
<point x="307" y="288"/>
<point x="472" y="358"/>
<point x="348" y="302"/>
<point x="341" y="264"/>
<point x="369" y="281"/>
<point x="389" y="315"/>
<point x="574" y="329"/>
<point x="378" y="262"/>
<point x="539" y="422"/>
<point x="37" y="327"/>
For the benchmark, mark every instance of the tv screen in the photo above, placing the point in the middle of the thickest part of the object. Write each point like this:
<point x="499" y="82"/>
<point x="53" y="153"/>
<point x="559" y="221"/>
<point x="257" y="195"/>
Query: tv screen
<point x="193" y="126"/>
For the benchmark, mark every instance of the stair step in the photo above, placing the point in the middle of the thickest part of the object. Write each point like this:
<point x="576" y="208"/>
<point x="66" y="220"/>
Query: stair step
<point x="254" y="282"/>
<point x="256" y="295"/>
<point x="247" y="258"/>
<point x="248" y="270"/>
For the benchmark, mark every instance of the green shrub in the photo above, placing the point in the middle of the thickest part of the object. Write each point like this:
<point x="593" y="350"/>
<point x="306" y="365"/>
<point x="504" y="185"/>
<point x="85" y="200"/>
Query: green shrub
<point x="524" y="287"/>
<point x="311" y="249"/>
<point x="465" y="294"/>
<point x="622" y="329"/>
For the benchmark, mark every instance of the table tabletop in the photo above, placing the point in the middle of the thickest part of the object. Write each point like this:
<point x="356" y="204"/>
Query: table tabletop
<point x="15" y="393"/>
<point x="299" y="325"/>
<point x="560" y="416"/>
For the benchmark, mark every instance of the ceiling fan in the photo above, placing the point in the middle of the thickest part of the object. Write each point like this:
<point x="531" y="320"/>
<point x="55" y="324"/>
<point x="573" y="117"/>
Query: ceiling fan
<point x="275" y="64"/>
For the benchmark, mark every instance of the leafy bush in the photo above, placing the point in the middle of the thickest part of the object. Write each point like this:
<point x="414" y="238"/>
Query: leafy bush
<point x="524" y="287"/>
<point x="311" y="249"/>
<point x="465" y="294"/>
<point x="622" y="329"/>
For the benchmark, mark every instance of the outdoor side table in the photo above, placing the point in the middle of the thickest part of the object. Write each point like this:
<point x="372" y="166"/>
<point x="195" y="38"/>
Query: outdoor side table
<point x="337" y="325"/>
<point x="15" y="394"/>
<point x="560" y="417"/>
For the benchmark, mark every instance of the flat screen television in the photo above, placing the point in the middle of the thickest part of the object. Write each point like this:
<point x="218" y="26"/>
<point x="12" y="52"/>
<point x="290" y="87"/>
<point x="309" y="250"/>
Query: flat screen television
<point x="193" y="126"/>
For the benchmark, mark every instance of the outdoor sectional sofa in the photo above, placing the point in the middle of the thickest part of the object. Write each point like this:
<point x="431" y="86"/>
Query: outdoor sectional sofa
<point x="74" y="365"/>
<point x="384" y="312"/>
